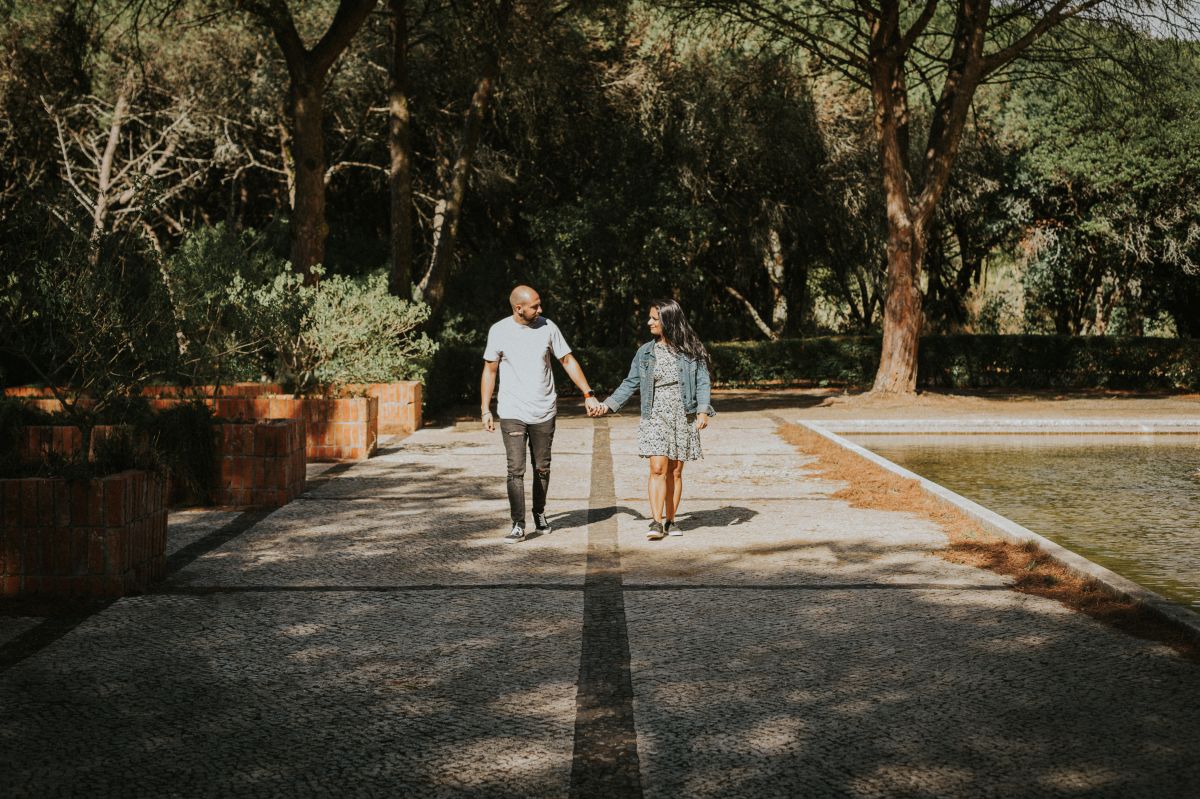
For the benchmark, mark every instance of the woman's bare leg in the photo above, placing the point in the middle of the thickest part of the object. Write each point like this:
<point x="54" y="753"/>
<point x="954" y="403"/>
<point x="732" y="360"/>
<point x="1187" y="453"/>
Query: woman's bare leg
<point x="658" y="486"/>
<point x="675" y="470"/>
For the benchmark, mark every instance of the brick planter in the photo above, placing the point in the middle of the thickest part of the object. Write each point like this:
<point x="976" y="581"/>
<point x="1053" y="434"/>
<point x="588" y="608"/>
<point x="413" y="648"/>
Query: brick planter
<point x="102" y="537"/>
<point x="399" y="404"/>
<point x="66" y="440"/>
<point x="260" y="463"/>
<point x="345" y="429"/>
<point x="229" y="390"/>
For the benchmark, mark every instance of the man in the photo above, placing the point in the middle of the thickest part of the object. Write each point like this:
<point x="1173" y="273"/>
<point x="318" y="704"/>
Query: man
<point x="518" y="350"/>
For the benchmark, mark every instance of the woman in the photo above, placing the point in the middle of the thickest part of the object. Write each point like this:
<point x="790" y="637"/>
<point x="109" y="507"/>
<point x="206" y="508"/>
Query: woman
<point x="672" y="375"/>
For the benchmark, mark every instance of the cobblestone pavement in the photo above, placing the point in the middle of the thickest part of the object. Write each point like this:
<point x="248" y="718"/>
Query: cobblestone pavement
<point x="377" y="638"/>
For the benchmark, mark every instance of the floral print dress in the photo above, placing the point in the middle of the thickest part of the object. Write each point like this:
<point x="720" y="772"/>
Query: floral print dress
<point x="668" y="431"/>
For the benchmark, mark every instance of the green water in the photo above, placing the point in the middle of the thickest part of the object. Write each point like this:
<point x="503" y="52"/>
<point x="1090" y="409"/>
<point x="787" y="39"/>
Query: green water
<point x="1131" y="503"/>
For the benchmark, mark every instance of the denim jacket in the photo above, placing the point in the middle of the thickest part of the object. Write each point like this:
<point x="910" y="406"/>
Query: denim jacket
<point x="693" y="378"/>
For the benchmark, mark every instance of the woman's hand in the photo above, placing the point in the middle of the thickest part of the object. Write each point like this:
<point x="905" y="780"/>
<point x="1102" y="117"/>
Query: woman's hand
<point x="701" y="421"/>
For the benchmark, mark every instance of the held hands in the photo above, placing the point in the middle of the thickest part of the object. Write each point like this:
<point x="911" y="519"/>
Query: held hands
<point x="595" y="408"/>
<point x="701" y="421"/>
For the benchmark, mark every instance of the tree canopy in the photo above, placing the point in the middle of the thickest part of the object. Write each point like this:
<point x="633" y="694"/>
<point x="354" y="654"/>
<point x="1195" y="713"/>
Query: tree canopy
<point x="613" y="152"/>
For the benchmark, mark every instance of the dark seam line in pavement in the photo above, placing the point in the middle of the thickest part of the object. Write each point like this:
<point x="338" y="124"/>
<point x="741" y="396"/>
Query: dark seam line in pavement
<point x="49" y="630"/>
<point x="605" y="763"/>
<point x="409" y="499"/>
<point x="222" y="535"/>
<point x="207" y="590"/>
<point x="240" y="524"/>
<point x="333" y="471"/>
<point x="815" y="587"/>
<point x="46" y="632"/>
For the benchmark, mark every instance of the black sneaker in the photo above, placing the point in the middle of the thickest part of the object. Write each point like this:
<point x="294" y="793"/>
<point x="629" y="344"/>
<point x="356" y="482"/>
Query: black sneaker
<point x="670" y="528"/>
<point x="517" y="534"/>
<point x="541" y="525"/>
<point x="655" y="532"/>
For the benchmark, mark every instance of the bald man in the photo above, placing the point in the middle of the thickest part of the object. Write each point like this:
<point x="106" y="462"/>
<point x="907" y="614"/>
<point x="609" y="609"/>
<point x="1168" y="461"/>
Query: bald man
<point x="519" y="348"/>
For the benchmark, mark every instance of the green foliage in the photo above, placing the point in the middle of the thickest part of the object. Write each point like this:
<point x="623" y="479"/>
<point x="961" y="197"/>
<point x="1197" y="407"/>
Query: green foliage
<point x="184" y="437"/>
<point x="87" y="314"/>
<point x="358" y="333"/>
<point x="339" y="330"/>
<point x="125" y="447"/>
<point x="956" y="361"/>
<point x="215" y="326"/>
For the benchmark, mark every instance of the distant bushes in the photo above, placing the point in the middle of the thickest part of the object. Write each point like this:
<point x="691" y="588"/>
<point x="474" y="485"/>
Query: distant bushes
<point x="960" y="361"/>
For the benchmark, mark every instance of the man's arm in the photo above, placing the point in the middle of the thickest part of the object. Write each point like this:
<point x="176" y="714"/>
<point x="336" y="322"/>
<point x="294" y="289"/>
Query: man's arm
<point x="575" y="372"/>
<point x="487" y="385"/>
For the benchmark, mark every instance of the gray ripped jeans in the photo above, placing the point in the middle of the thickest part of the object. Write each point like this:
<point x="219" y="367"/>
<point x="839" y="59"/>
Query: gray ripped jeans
<point x="538" y="438"/>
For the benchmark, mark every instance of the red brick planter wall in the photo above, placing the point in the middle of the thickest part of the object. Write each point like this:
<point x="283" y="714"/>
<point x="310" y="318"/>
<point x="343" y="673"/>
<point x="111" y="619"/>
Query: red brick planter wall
<point x="399" y="404"/>
<point x="260" y="463"/>
<point x="102" y="537"/>
<point x="66" y="440"/>
<point x="230" y="390"/>
<point x="336" y="429"/>
<point x="344" y="429"/>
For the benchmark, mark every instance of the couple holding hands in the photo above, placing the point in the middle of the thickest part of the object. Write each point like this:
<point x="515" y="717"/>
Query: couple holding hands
<point x="671" y="372"/>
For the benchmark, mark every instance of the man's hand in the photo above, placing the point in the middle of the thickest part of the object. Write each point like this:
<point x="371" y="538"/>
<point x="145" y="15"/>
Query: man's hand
<point x="701" y="421"/>
<point x="489" y="424"/>
<point x="593" y="406"/>
<point x="598" y="411"/>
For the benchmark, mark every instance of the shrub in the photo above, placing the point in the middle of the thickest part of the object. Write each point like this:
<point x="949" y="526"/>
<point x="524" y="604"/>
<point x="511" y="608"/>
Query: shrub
<point x="341" y="330"/>
<point x="184" y="437"/>
<point x="218" y="337"/>
<point x="959" y="361"/>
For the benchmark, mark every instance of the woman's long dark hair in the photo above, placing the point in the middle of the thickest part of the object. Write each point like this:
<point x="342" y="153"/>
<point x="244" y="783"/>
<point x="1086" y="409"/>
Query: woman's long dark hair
<point x="678" y="334"/>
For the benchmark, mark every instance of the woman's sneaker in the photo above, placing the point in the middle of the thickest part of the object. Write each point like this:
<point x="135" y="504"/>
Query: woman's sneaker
<point x="540" y="525"/>
<point x="655" y="532"/>
<point x="517" y="534"/>
<point x="670" y="528"/>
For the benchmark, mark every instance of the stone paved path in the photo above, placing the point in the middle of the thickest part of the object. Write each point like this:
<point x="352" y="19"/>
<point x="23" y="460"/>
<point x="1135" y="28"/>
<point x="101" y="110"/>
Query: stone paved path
<point x="376" y="638"/>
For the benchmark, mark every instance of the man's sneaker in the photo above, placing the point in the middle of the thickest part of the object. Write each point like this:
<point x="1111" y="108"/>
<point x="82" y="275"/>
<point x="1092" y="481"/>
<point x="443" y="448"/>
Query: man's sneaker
<point x="670" y="528"/>
<point x="517" y="534"/>
<point x="540" y="525"/>
<point x="655" y="532"/>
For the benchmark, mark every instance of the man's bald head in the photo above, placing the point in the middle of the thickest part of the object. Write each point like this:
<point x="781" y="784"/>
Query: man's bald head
<point x="522" y="295"/>
<point x="526" y="304"/>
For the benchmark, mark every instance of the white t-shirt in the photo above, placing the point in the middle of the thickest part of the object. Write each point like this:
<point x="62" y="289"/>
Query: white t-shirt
<point x="526" y="379"/>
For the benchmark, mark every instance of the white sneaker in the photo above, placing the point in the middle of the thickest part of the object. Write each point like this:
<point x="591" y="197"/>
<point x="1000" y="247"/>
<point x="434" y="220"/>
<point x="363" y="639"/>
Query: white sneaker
<point x="671" y="529"/>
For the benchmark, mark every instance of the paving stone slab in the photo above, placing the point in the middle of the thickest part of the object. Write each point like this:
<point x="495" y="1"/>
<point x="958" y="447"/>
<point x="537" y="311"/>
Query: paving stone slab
<point x="746" y="477"/>
<point x="185" y="527"/>
<point x="331" y="542"/>
<point x="314" y="694"/>
<point x="863" y="694"/>
<point x="469" y="473"/>
<point x="802" y="542"/>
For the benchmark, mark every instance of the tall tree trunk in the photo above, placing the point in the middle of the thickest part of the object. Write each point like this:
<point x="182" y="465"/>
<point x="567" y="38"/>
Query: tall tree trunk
<point x="773" y="263"/>
<point x="910" y="209"/>
<point x="446" y="216"/>
<point x="902" y="315"/>
<point x="309" y="228"/>
<point x="400" y="148"/>
<point x="307" y="69"/>
<point x="449" y="208"/>
<point x="897" y="372"/>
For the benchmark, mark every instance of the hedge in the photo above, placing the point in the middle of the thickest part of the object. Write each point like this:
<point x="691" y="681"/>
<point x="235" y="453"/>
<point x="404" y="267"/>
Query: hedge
<point x="958" y="361"/>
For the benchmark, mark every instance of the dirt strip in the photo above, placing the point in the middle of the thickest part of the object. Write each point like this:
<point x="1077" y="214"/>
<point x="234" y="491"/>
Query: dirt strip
<point x="1032" y="571"/>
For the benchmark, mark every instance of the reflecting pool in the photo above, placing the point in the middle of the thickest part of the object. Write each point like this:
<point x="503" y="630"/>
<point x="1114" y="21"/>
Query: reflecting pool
<point x="1131" y="503"/>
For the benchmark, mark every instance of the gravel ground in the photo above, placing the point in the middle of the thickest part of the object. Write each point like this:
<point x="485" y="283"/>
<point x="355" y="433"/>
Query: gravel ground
<point x="378" y="638"/>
